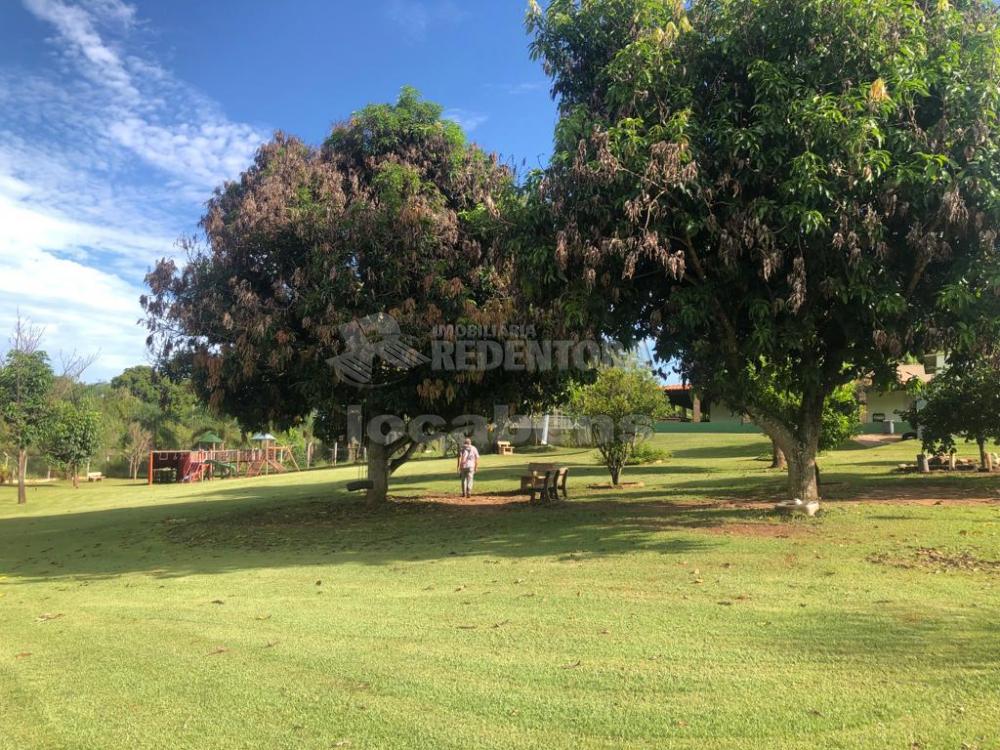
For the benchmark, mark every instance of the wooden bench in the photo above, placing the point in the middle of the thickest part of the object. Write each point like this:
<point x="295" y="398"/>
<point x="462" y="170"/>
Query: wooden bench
<point x="504" y="448"/>
<point x="95" y="476"/>
<point x="548" y="485"/>
<point x="535" y="471"/>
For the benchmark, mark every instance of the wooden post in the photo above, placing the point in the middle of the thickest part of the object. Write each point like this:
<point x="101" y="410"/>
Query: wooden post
<point x="334" y="452"/>
<point x="150" y="474"/>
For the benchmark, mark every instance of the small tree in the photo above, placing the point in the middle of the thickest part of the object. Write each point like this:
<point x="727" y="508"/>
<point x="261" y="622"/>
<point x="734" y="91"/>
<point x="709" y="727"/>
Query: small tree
<point x="72" y="437"/>
<point x="138" y="442"/>
<point x="620" y="406"/>
<point x="961" y="402"/>
<point x="25" y="384"/>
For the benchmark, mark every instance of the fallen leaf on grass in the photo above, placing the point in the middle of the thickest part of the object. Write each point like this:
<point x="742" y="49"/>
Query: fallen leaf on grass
<point x="341" y="743"/>
<point x="219" y="650"/>
<point x="217" y="601"/>
<point x="272" y="644"/>
<point x="725" y="603"/>
<point x="466" y="627"/>
<point x="261" y="618"/>
<point x="500" y="624"/>
<point x="46" y="617"/>
<point x="22" y="655"/>
<point x="574" y="665"/>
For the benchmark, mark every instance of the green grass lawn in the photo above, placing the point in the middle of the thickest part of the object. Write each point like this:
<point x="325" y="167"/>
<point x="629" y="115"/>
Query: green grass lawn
<point x="280" y="612"/>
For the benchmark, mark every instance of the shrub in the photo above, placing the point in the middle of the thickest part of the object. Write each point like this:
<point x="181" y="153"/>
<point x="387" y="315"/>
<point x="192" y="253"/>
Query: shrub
<point x="644" y="453"/>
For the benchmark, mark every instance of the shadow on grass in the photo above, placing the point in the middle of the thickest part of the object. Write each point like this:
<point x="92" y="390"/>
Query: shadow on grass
<point x="897" y="634"/>
<point x="749" y="450"/>
<point x="244" y="529"/>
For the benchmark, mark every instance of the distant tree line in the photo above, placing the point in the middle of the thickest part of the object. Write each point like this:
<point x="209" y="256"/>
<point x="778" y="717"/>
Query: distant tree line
<point x="51" y="422"/>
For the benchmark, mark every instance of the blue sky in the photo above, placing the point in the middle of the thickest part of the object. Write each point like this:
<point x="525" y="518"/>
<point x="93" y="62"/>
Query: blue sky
<point x="117" y="120"/>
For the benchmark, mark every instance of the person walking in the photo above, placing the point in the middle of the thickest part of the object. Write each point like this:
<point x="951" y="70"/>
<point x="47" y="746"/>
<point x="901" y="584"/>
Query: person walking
<point x="468" y="465"/>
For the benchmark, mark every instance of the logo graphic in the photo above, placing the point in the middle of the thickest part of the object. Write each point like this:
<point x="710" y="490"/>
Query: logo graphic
<point x="368" y="339"/>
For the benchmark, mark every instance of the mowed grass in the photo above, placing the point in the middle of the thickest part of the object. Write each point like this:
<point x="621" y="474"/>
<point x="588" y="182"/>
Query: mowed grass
<point x="282" y="613"/>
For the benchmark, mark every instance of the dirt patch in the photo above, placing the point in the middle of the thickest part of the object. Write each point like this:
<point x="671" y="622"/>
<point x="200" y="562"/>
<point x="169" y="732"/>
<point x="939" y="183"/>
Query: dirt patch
<point x="622" y="486"/>
<point x="919" y="495"/>
<point x="938" y="561"/>
<point x="740" y="518"/>
<point x="762" y="530"/>
<point x="457" y="501"/>
<point x="874" y="441"/>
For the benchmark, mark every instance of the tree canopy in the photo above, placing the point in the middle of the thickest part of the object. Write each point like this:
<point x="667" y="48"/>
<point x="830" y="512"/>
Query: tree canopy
<point x="787" y="197"/>
<point x="393" y="222"/>
<point x="962" y="402"/>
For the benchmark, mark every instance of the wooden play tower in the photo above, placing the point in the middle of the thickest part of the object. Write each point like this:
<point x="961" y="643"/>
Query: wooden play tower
<point x="198" y="465"/>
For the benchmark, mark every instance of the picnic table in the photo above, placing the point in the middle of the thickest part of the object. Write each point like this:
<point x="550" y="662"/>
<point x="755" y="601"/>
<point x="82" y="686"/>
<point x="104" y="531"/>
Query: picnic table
<point x="504" y="448"/>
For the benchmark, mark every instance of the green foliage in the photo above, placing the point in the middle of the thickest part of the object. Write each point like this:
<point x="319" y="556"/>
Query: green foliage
<point x="396" y="214"/>
<point x="961" y="402"/>
<point x="73" y="436"/>
<point x="25" y="385"/>
<point x="841" y="418"/>
<point x="645" y="453"/>
<point x="787" y="197"/>
<point x="621" y="406"/>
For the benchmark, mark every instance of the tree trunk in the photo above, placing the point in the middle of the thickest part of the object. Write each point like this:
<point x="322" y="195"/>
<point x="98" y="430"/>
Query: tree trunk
<point x="616" y="474"/>
<point x="778" y="460"/>
<point x="378" y="473"/>
<point x="800" y="444"/>
<point x="22" y="470"/>
<point x="76" y="478"/>
<point x="803" y="474"/>
<point x="983" y="462"/>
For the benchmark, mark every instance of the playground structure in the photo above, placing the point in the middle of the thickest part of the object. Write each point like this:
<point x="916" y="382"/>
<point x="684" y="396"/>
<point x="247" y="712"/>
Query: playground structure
<point x="201" y="465"/>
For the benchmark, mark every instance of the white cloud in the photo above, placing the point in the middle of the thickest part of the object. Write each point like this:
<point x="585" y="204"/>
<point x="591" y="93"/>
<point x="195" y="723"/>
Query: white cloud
<point x="77" y="28"/>
<point x="105" y="159"/>
<point x="519" y="89"/>
<point x="467" y="119"/>
<point x="142" y="106"/>
<point x="415" y="17"/>
<point x="81" y="307"/>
